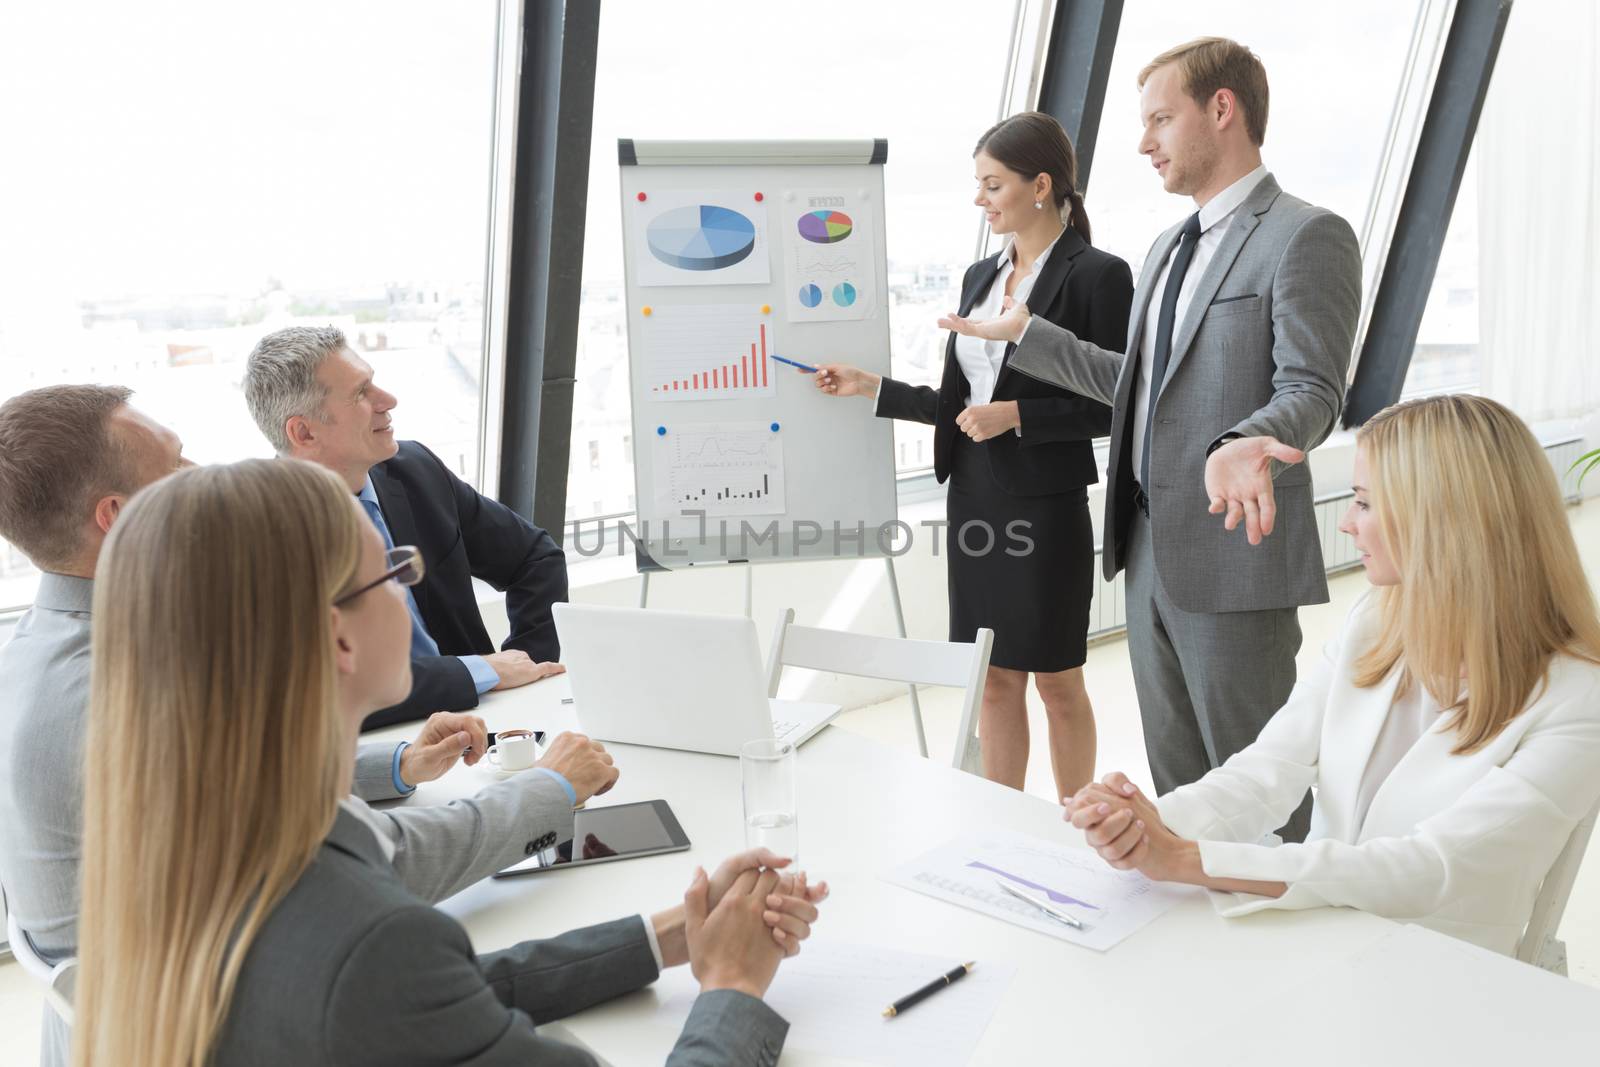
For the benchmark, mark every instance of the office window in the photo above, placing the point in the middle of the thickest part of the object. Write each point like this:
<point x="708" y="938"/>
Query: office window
<point x="1445" y="359"/>
<point x="1334" y="72"/>
<point x="930" y="83"/>
<point x="184" y="177"/>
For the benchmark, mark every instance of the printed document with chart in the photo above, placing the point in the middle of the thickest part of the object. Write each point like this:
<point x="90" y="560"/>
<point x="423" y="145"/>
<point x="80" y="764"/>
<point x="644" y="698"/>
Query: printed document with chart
<point x="1111" y="904"/>
<point x="720" y="468"/>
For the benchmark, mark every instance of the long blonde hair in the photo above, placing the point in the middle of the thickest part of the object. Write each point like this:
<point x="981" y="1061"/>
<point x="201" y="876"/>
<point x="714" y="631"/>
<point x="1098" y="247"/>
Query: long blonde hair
<point x="1490" y="578"/>
<point x="215" y="753"/>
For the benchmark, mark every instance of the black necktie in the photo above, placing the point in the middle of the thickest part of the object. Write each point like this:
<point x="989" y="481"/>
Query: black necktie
<point x="1187" y="240"/>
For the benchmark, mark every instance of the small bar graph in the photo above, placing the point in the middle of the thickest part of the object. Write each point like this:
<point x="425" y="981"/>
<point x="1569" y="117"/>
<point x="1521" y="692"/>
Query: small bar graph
<point x="722" y="468"/>
<point x="724" y="493"/>
<point x="707" y="352"/>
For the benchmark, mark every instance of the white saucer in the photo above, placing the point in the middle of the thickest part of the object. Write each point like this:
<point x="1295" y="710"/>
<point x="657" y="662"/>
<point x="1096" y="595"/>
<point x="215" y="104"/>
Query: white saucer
<point x="500" y="774"/>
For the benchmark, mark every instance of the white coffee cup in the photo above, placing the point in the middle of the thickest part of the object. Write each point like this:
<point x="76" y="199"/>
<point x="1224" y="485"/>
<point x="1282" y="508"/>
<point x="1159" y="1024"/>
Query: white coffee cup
<point x="514" y="750"/>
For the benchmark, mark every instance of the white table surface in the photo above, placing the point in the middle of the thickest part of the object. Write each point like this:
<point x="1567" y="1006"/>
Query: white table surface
<point x="1165" y="995"/>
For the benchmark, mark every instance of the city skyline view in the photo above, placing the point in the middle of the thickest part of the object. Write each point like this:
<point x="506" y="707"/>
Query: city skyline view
<point x="361" y="196"/>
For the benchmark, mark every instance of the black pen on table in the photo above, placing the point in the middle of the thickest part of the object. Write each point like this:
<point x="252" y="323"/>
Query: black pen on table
<point x="489" y="739"/>
<point x="953" y="975"/>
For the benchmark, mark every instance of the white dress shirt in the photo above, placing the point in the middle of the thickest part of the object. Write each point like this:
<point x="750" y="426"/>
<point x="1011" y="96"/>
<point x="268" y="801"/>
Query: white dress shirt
<point x="980" y="360"/>
<point x="1409" y="718"/>
<point x="1213" y="218"/>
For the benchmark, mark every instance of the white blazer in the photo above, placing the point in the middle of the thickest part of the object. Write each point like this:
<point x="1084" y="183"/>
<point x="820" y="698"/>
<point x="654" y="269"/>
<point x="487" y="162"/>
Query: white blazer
<point x="1456" y="843"/>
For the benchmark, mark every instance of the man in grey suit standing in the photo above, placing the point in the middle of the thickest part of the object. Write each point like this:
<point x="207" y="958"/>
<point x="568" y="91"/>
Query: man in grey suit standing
<point x="1238" y="346"/>
<point x="71" y="457"/>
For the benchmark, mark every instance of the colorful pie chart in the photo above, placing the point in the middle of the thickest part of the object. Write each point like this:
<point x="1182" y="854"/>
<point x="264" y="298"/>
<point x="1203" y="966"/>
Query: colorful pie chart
<point x="825" y="227"/>
<point x="844" y="294"/>
<point x="810" y="295"/>
<point x="701" y="237"/>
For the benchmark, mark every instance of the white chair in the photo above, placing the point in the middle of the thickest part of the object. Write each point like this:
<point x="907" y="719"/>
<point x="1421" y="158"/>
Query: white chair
<point x="58" y="978"/>
<point x="1539" y="945"/>
<point x="898" y="659"/>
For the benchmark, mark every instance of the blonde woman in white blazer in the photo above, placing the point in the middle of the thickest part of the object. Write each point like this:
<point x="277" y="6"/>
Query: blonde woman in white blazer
<point x="1452" y="731"/>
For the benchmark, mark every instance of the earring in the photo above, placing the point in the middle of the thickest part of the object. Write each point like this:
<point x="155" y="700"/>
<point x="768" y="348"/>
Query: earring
<point x="1038" y="205"/>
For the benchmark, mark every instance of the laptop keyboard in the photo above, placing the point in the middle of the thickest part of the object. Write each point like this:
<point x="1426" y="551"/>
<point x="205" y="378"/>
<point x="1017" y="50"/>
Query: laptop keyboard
<point x="781" y="730"/>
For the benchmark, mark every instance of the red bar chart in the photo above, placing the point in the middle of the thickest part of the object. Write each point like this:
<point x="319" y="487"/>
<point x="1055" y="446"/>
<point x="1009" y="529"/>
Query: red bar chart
<point x="707" y="352"/>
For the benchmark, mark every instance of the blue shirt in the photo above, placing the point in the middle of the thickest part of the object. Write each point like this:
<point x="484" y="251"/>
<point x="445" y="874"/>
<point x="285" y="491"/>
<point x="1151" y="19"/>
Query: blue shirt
<point x="484" y="677"/>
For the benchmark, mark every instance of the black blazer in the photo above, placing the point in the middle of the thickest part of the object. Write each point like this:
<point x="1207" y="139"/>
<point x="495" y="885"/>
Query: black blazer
<point x="1080" y="288"/>
<point x="464" y="535"/>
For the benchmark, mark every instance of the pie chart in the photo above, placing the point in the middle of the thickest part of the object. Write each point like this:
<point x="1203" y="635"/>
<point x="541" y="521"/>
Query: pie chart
<point x="701" y="237"/>
<point x="844" y="294"/>
<point x="810" y="295"/>
<point x="825" y="227"/>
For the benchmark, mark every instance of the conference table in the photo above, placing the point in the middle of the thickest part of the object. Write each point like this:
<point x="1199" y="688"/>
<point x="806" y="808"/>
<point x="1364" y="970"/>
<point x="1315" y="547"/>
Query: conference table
<point x="1191" y="987"/>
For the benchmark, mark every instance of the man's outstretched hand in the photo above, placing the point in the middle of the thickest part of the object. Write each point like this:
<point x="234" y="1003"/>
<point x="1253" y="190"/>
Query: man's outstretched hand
<point x="1008" y="327"/>
<point x="1239" y="482"/>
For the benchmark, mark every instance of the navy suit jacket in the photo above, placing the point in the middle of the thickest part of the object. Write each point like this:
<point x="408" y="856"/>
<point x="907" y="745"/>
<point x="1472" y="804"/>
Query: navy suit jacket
<point x="464" y="535"/>
<point x="1079" y="287"/>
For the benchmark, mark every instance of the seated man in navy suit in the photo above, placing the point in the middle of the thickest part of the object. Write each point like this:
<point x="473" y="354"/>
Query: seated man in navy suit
<point x="315" y="399"/>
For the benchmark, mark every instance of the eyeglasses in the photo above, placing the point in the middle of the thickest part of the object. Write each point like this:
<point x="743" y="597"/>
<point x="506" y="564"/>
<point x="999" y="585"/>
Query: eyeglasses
<point x="403" y="564"/>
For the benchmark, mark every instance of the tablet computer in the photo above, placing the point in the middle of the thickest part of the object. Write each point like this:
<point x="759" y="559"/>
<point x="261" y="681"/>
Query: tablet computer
<point x="600" y="835"/>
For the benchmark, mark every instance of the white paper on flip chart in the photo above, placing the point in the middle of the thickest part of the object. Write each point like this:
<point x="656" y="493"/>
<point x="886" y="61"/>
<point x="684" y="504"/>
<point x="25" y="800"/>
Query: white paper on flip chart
<point x="694" y="352"/>
<point x="833" y="996"/>
<point x="709" y="237"/>
<point x="1112" y="904"/>
<point x="830" y="261"/>
<point x="721" y="468"/>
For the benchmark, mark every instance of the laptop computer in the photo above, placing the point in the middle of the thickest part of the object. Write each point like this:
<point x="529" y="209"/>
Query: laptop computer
<point x="675" y="679"/>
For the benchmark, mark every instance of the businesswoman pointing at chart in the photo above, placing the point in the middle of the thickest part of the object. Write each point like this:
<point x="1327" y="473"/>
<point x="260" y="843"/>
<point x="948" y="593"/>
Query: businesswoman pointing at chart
<point x="1017" y="451"/>
<point x="1452" y="730"/>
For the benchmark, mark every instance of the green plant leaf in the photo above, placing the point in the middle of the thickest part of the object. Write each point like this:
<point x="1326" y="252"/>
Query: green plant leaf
<point x="1588" y="461"/>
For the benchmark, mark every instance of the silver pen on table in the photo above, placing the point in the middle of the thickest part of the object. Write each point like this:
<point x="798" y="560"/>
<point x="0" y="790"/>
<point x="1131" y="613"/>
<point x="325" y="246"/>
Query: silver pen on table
<point x="1049" y="909"/>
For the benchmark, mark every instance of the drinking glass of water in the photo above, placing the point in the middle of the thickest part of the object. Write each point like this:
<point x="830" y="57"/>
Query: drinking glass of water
<point x="767" y="771"/>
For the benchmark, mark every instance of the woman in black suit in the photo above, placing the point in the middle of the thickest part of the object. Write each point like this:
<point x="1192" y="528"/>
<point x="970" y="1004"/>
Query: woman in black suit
<point x="1017" y="452"/>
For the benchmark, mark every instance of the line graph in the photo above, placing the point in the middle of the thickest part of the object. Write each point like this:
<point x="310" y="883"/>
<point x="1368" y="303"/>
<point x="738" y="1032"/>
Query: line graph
<point x="725" y="468"/>
<point x="837" y="265"/>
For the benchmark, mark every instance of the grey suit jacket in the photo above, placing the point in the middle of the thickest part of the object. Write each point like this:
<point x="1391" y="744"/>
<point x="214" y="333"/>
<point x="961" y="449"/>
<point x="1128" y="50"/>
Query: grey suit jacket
<point x="44" y="679"/>
<point x="351" y="969"/>
<point x="1264" y="348"/>
<point x="44" y="674"/>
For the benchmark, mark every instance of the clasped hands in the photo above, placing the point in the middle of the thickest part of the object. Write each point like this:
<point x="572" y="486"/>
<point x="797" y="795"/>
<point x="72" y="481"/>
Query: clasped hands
<point x="1124" y="827"/>
<point x="738" y="923"/>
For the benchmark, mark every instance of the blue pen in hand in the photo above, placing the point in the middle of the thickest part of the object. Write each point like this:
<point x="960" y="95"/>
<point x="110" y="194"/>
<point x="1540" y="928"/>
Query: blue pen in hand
<point x="794" y="363"/>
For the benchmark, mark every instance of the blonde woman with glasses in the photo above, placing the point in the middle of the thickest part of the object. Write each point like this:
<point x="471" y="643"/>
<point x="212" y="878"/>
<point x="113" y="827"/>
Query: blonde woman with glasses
<point x="238" y="907"/>
<point x="1453" y="731"/>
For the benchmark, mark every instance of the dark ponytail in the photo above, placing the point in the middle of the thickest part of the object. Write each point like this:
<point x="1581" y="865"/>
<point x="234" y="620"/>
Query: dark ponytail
<point x="1080" y="217"/>
<point x="1033" y="143"/>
